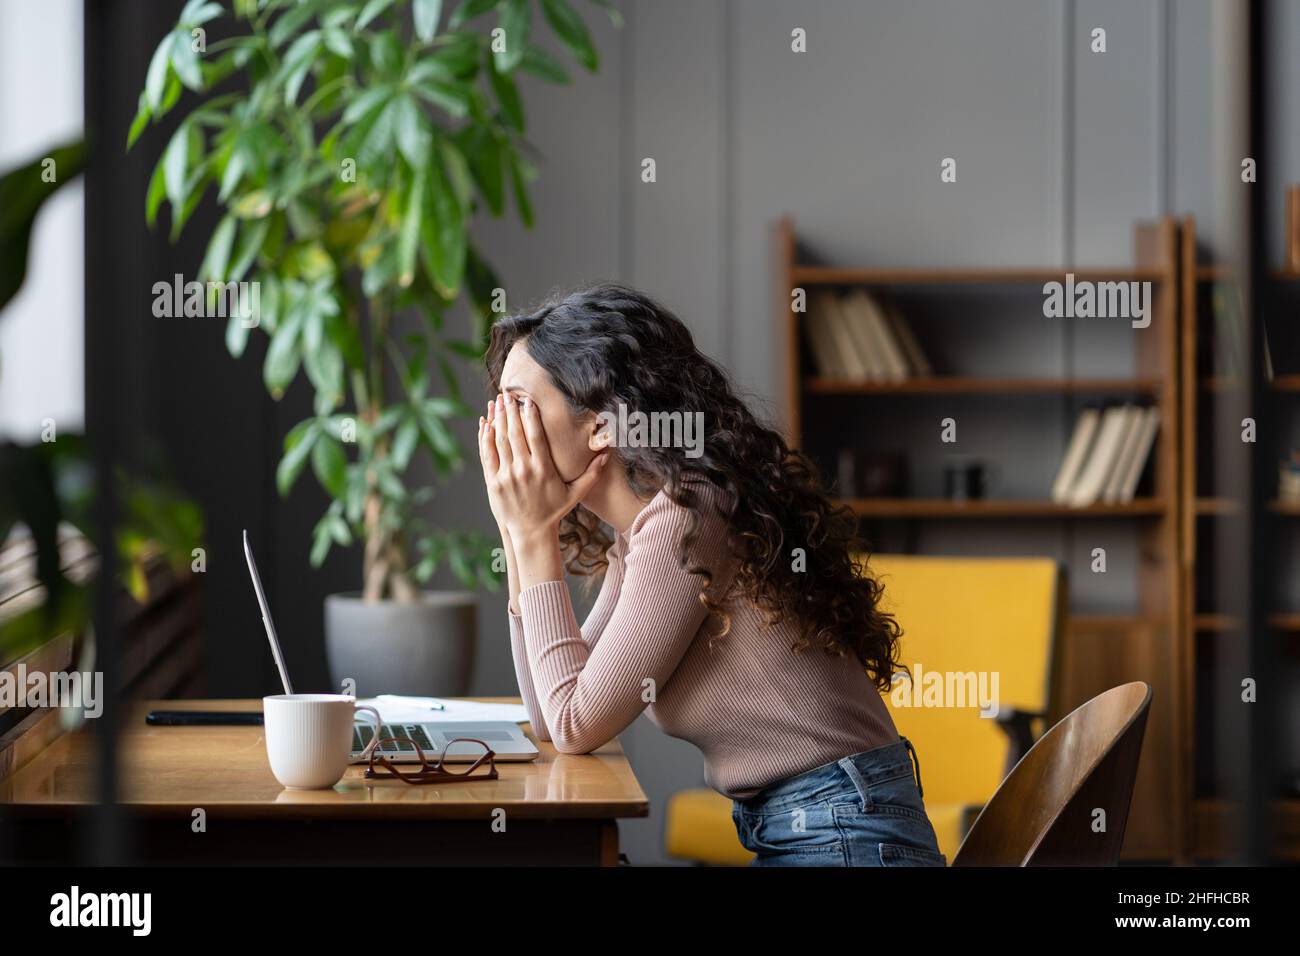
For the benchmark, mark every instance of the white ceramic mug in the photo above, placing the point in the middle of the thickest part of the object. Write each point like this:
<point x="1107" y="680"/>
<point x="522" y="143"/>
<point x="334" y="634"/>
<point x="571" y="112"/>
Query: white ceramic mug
<point x="309" y="737"/>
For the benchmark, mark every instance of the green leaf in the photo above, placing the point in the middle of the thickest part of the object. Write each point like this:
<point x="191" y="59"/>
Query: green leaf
<point x="485" y="156"/>
<point x="253" y="205"/>
<point x="469" y="10"/>
<point x="439" y="436"/>
<point x="508" y="98"/>
<point x="298" y="61"/>
<point x="339" y="528"/>
<point x="460" y="565"/>
<point x="371" y="10"/>
<point x="156" y="77"/>
<point x="379" y="272"/>
<point x="426" y="14"/>
<point x="170" y="96"/>
<point x="22" y="192"/>
<point x="324" y="365"/>
<point x="387" y="53"/>
<point x="389" y="419"/>
<point x="429" y="68"/>
<point x="338" y="42"/>
<point x="572" y="31"/>
<point x="412" y="135"/>
<point x="515" y="19"/>
<point x="198" y="12"/>
<point x="345" y="337"/>
<point x="283" y="356"/>
<point x="445" y="407"/>
<point x="459" y="53"/>
<point x="518" y="180"/>
<point x="233" y="172"/>
<point x="330" y="465"/>
<point x="157" y="191"/>
<point x="408" y="238"/>
<point x="322" y="539"/>
<point x="176" y="166"/>
<point x="251" y="237"/>
<point x="196" y="183"/>
<point x="458" y="174"/>
<point x="404" y="443"/>
<point x="367" y="102"/>
<point x="444" y="94"/>
<point x="371" y="140"/>
<point x="540" y="63"/>
<point x="291" y="22"/>
<point x="217" y="258"/>
<point x="443" y="232"/>
<point x="185" y="61"/>
<point x="297" y="448"/>
<point x="142" y="116"/>
<point x="308" y="260"/>
<point x="236" y="336"/>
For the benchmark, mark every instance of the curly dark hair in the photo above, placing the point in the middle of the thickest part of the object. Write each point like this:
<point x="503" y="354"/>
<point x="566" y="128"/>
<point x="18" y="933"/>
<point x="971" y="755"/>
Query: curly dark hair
<point x="609" y="345"/>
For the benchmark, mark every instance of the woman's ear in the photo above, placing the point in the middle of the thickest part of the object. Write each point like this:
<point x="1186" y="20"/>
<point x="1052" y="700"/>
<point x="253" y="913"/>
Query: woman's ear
<point x="601" y="433"/>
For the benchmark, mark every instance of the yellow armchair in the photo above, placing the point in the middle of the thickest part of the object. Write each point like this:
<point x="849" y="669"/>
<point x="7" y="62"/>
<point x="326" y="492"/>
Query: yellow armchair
<point x="975" y="630"/>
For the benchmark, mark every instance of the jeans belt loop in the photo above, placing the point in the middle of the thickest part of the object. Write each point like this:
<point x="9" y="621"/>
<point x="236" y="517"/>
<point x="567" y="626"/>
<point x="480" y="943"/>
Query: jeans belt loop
<point x="916" y="764"/>
<point x="859" y="783"/>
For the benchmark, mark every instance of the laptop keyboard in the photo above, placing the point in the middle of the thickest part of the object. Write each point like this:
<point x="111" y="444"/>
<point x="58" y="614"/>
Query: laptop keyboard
<point x="362" y="734"/>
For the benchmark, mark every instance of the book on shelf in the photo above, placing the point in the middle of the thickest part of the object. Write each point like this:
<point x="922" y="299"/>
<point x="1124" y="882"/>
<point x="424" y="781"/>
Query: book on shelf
<point x="825" y="350"/>
<point x="867" y="318"/>
<point x="861" y="355"/>
<point x="855" y="362"/>
<point x="856" y="338"/>
<point x="1106" y="455"/>
<point x="1136" y="461"/>
<point x="913" y="355"/>
<point x="1085" y="429"/>
<point x="1129" y="432"/>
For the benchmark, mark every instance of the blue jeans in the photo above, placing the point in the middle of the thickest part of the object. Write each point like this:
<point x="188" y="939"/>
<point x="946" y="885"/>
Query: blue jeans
<point x="861" y="810"/>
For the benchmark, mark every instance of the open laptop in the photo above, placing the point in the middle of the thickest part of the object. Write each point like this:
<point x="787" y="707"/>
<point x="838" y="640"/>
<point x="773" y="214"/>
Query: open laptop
<point x="507" y="741"/>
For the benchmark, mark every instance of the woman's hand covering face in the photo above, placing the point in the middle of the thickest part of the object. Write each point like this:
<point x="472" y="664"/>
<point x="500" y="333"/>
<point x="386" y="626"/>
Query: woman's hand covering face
<point x="526" y="492"/>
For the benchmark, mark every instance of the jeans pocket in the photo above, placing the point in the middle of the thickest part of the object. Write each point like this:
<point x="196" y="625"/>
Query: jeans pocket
<point x="898" y="854"/>
<point x="897" y="795"/>
<point x="806" y="829"/>
<point x="894" y="833"/>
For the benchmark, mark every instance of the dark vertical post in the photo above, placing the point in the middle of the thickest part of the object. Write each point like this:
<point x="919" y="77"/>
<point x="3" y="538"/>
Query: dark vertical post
<point x="1262" y="739"/>
<point x="103" y="843"/>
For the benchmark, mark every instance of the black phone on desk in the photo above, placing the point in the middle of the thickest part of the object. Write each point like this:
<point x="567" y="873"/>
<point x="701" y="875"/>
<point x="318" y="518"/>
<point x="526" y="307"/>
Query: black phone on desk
<point x="204" y="718"/>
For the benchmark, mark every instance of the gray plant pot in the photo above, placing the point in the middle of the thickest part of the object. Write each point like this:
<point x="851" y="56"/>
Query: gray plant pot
<point x="425" y="648"/>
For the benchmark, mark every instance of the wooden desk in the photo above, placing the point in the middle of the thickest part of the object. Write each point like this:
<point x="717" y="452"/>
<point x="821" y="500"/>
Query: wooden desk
<point x="558" y="809"/>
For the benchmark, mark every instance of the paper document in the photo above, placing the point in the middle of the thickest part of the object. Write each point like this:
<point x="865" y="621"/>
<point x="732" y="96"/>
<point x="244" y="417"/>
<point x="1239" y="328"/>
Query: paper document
<point x="395" y="708"/>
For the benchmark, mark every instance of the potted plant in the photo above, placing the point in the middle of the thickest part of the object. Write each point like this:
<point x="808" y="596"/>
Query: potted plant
<point x="349" y="144"/>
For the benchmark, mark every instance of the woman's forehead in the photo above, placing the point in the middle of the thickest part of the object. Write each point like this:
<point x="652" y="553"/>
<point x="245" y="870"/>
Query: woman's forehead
<point x="521" y="370"/>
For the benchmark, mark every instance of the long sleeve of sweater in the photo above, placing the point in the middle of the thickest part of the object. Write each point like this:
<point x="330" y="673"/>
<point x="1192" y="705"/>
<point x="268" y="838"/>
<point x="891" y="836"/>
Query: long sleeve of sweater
<point x="592" y="628"/>
<point x="590" y="691"/>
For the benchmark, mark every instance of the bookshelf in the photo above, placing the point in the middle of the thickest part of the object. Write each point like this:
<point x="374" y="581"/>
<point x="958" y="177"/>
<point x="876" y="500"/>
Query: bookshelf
<point x="1101" y="647"/>
<point x="1205" y="627"/>
<point x="961" y="385"/>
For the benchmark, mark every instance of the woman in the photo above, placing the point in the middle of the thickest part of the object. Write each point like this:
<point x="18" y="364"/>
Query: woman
<point x="731" y="611"/>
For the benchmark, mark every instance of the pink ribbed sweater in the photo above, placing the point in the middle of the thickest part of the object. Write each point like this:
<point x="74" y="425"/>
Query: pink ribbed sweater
<point x="757" y="711"/>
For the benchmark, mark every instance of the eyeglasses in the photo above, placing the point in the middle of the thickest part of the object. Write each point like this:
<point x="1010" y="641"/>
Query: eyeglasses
<point x="431" y="771"/>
